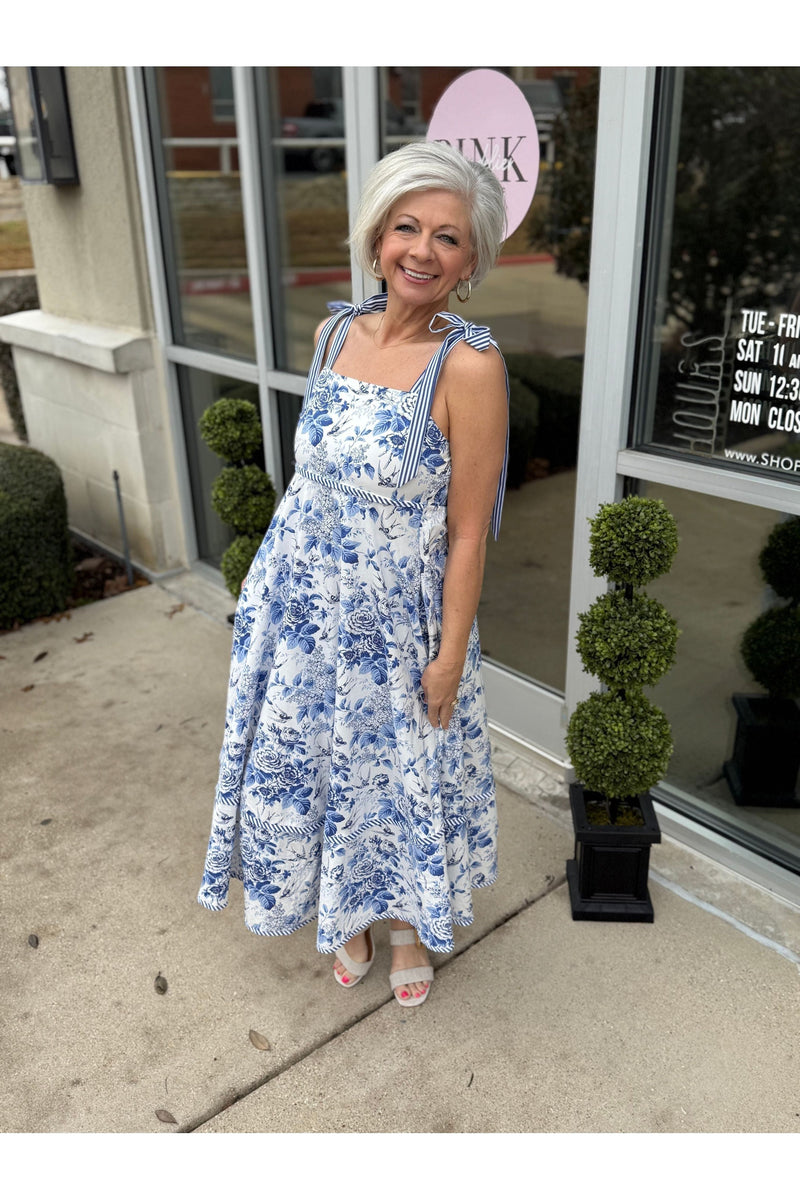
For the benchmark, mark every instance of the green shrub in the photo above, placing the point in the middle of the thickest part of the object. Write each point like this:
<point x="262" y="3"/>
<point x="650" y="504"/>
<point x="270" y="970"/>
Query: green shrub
<point x="244" y="498"/>
<point x="232" y="430"/>
<point x="771" y="644"/>
<point x="780" y="559"/>
<point x="242" y="495"/>
<point x="523" y="422"/>
<point x="771" y="651"/>
<point x="557" y="383"/>
<point x="633" y="541"/>
<point x="627" y="640"/>
<point x="36" y="572"/>
<point x="237" y="559"/>
<point x="619" y="744"/>
<point x="21" y="297"/>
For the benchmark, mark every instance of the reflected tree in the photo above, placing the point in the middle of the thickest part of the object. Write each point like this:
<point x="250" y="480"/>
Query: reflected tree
<point x="736" y="219"/>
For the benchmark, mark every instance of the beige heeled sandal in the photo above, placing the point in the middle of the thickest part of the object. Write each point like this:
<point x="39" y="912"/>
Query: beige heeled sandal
<point x="407" y="937"/>
<point x="354" y="970"/>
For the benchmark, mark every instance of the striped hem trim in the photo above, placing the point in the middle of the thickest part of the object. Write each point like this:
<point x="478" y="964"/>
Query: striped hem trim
<point x="452" y="825"/>
<point x="281" y="932"/>
<point x="459" y="922"/>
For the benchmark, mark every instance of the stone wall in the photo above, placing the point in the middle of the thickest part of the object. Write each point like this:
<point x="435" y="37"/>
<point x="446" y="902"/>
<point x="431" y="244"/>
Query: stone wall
<point x="93" y="401"/>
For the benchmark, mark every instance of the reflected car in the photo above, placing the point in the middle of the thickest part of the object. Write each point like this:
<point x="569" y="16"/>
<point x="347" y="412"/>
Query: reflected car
<point x="324" y="119"/>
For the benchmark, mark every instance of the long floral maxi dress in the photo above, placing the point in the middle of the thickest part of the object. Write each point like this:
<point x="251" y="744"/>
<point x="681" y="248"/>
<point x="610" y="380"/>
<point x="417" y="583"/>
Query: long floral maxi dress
<point x="337" y="800"/>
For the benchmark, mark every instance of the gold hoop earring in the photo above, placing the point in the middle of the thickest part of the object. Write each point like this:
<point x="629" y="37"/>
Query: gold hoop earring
<point x="464" y="299"/>
<point x="376" y="262"/>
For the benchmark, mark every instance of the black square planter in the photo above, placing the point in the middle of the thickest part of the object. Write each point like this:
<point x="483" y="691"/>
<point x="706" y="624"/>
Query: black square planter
<point x="608" y="875"/>
<point x="766" y="752"/>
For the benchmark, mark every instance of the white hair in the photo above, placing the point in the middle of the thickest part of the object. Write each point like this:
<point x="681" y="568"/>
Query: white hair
<point x="423" y="166"/>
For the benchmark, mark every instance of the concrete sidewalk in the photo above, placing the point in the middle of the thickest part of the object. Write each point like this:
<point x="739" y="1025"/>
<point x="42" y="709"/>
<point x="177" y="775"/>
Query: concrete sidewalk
<point x="110" y="724"/>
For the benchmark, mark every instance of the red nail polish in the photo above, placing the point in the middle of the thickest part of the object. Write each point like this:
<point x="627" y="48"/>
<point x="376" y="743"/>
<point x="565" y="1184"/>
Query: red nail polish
<point x="404" y="995"/>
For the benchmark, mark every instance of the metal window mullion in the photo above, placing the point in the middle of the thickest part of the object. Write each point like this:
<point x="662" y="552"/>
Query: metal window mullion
<point x="781" y="495"/>
<point x="244" y="100"/>
<point x="362" y="134"/>
<point x="217" y="364"/>
<point x="620" y="194"/>
<point x="286" y="381"/>
<point x="154" y="251"/>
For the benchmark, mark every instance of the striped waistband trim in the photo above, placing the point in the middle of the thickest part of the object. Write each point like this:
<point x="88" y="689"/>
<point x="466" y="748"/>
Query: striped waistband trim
<point x="338" y="485"/>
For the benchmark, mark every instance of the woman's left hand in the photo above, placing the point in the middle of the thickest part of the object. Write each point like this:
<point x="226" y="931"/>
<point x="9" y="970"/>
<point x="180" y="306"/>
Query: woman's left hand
<point x="440" y="689"/>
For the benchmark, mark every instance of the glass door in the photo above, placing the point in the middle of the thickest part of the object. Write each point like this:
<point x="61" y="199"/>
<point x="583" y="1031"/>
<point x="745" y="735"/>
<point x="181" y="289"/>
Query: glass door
<point x="535" y="302"/>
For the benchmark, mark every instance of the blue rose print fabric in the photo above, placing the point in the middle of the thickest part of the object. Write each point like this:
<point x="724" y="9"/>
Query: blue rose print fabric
<point x="337" y="801"/>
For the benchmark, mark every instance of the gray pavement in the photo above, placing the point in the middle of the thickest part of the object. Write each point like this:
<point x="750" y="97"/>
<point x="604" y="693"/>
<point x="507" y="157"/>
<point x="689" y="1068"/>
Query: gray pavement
<point x="110" y="723"/>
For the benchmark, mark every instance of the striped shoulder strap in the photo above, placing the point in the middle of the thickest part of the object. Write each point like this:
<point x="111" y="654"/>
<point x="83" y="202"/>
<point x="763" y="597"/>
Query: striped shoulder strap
<point x="338" y="325"/>
<point x="477" y="336"/>
<point x="480" y="338"/>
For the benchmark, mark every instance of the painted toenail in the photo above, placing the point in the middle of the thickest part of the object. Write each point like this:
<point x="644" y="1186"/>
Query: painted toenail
<point x="404" y="995"/>
<point x="345" y="979"/>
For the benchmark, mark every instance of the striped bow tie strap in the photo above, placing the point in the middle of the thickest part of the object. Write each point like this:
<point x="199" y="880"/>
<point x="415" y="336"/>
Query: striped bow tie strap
<point x="342" y="319"/>
<point x="479" y="337"/>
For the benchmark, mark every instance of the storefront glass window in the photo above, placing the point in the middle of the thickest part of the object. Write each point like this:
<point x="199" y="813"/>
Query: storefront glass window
<point x="737" y="751"/>
<point x="301" y="117"/>
<point x="720" y="353"/>
<point x="535" y="303"/>
<point x="201" y="200"/>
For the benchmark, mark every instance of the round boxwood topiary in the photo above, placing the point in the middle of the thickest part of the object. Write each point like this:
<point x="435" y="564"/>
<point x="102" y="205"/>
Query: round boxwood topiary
<point x="231" y="429"/>
<point x="619" y="745"/>
<point x="237" y="559"/>
<point x="633" y="540"/>
<point x="771" y="651"/>
<point x="244" y="498"/>
<point x="627" y="640"/>
<point x="780" y="559"/>
<point x="36" y="571"/>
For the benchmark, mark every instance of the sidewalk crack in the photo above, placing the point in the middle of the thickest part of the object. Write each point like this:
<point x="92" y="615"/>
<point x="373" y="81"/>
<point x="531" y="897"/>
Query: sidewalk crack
<point x="553" y="884"/>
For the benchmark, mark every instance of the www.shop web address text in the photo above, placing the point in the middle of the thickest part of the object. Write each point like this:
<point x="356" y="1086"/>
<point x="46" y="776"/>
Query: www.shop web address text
<point x="776" y="461"/>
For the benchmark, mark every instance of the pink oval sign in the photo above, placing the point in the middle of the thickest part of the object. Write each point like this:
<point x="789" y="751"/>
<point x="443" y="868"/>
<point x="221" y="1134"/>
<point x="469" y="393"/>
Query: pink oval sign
<point x="485" y="115"/>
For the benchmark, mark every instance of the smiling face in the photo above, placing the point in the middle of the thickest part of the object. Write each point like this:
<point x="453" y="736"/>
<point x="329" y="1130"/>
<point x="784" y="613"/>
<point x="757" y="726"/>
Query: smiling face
<point x="426" y="247"/>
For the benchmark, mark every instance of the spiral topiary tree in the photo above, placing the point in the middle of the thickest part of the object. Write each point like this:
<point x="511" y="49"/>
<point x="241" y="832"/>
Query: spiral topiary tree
<point x="619" y="742"/>
<point x="242" y="495"/>
<point x="771" y="645"/>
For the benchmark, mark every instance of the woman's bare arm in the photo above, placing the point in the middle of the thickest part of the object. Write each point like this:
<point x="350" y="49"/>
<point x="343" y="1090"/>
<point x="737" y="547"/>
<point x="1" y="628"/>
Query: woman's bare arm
<point x="477" y="418"/>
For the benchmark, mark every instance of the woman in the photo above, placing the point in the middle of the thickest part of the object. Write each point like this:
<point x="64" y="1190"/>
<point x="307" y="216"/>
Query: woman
<point x="355" y="776"/>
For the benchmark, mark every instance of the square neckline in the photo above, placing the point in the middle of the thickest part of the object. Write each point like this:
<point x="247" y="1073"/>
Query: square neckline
<point x="384" y="387"/>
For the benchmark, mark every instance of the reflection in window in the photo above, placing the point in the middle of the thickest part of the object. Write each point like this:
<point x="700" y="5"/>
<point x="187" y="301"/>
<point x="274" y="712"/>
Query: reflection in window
<point x="721" y="337"/>
<point x="198" y="390"/>
<point x="301" y="118"/>
<point x="222" y="93"/>
<point x="716" y="590"/>
<point x="535" y="304"/>
<point x="202" y="199"/>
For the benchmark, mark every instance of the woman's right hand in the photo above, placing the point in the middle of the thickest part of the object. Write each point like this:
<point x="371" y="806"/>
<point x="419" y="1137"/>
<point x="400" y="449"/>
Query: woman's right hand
<point x="440" y="689"/>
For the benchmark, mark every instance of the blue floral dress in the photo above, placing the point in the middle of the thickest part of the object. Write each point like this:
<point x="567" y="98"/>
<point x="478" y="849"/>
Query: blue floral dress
<point x="337" y="800"/>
